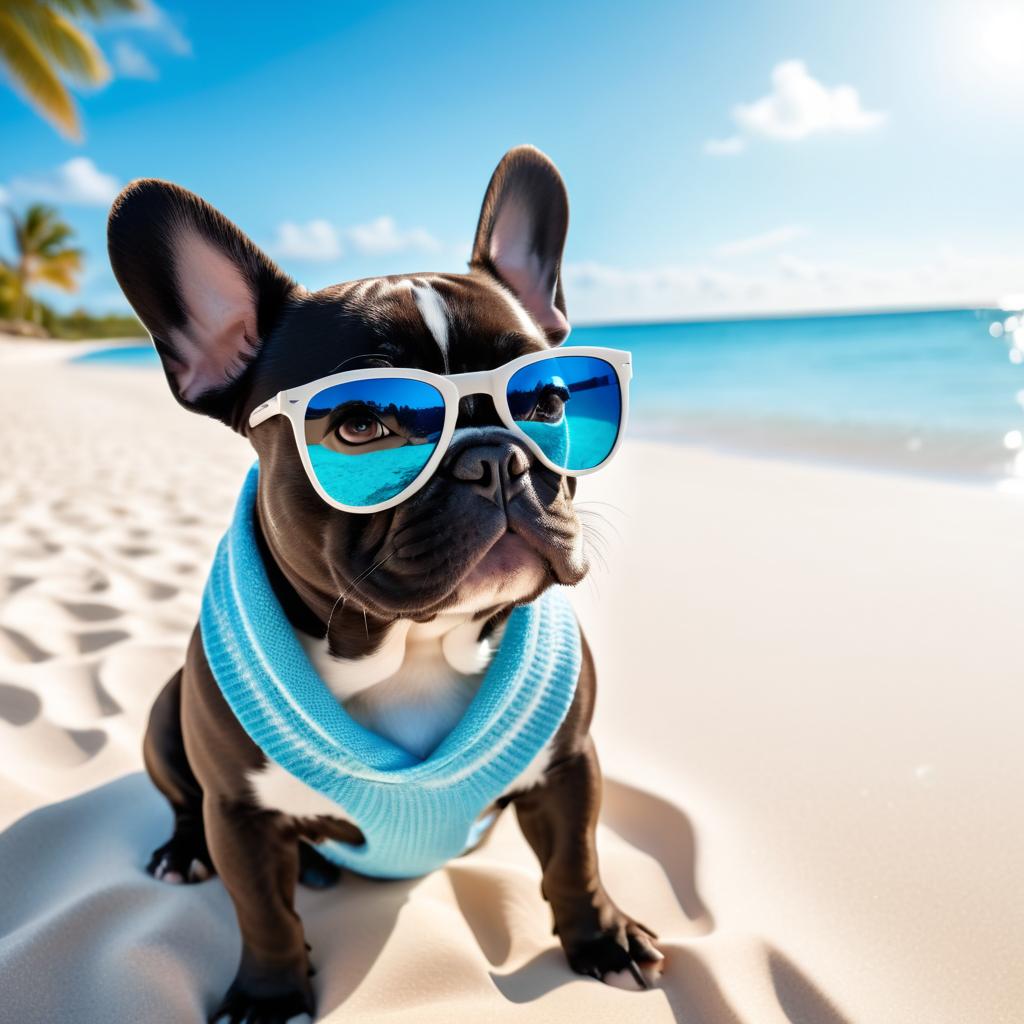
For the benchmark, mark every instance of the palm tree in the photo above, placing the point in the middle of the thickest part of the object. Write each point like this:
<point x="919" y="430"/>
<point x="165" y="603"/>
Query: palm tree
<point x="8" y="290"/>
<point x="41" y="46"/>
<point x="43" y="254"/>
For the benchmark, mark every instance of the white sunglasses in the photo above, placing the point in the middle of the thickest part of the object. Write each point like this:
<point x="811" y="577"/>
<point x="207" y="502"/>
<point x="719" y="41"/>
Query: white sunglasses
<point x="369" y="439"/>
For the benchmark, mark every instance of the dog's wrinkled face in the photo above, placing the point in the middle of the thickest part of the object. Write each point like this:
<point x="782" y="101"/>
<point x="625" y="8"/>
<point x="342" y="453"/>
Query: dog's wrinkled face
<point x="493" y="525"/>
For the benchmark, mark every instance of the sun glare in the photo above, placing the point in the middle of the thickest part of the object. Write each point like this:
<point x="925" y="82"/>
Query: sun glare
<point x="997" y="35"/>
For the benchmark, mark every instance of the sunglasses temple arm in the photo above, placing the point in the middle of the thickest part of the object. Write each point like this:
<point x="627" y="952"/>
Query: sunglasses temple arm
<point x="263" y="412"/>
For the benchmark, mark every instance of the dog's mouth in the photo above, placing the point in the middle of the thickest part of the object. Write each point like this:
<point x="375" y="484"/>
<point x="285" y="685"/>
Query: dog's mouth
<point x="514" y="564"/>
<point x="510" y="570"/>
<point x="507" y="557"/>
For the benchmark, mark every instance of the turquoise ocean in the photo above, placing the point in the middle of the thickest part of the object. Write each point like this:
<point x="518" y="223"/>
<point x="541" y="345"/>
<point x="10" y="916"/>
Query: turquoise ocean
<point x="939" y="393"/>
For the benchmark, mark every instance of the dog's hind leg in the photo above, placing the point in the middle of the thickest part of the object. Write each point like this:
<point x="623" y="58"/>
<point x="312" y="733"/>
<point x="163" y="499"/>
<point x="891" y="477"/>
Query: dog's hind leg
<point x="184" y="857"/>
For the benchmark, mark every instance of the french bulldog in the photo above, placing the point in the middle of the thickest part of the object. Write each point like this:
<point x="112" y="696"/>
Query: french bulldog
<point x="492" y="529"/>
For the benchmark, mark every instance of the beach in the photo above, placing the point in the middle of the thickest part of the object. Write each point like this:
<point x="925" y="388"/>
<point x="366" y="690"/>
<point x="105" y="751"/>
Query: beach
<point x="808" y="715"/>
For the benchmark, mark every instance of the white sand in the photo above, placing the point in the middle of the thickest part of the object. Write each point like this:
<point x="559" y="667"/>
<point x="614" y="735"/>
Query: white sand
<point x="811" y="708"/>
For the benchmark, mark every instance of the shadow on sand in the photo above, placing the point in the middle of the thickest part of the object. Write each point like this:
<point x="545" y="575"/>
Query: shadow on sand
<point x="76" y="899"/>
<point x="692" y="982"/>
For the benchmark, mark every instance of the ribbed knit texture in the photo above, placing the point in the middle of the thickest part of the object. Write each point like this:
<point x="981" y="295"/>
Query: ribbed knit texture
<point x="415" y="814"/>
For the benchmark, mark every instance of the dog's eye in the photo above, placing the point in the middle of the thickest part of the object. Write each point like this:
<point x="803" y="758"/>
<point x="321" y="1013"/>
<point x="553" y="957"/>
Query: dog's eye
<point x="360" y="428"/>
<point x="550" y="404"/>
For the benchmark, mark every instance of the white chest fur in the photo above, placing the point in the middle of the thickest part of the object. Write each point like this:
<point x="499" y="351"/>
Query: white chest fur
<point x="416" y="686"/>
<point x="413" y="690"/>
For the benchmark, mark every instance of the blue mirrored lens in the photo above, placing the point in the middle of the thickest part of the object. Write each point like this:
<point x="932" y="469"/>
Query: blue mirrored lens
<point x="368" y="440"/>
<point x="571" y="406"/>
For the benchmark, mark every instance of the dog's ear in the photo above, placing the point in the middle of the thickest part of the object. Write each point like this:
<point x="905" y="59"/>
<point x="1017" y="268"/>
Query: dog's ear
<point x="205" y="292"/>
<point x="521" y="234"/>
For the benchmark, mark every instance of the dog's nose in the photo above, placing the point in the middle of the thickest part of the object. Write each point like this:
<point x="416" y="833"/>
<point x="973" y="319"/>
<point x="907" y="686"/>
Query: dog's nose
<point x="495" y="470"/>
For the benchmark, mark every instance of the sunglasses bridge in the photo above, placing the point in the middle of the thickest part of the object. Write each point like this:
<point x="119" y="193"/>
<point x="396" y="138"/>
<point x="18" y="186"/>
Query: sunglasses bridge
<point x="571" y="443"/>
<point x="477" y="382"/>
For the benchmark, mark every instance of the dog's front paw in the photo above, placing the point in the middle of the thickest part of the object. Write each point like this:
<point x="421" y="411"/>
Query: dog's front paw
<point x="181" y="861"/>
<point x="315" y="870"/>
<point x="241" y="1006"/>
<point x="622" y="954"/>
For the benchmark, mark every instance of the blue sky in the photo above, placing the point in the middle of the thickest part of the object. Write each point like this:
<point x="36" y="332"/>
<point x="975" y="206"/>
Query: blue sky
<point x="725" y="157"/>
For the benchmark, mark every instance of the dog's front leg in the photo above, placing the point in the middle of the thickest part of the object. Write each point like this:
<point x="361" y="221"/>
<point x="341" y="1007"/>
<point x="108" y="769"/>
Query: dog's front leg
<point x="559" y="819"/>
<point x="256" y="855"/>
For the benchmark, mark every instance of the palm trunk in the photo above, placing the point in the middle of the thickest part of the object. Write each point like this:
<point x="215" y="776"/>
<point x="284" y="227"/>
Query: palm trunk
<point x="21" y="298"/>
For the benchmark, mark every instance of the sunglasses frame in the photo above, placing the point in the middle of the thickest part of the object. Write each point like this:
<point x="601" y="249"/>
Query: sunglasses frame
<point x="294" y="402"/>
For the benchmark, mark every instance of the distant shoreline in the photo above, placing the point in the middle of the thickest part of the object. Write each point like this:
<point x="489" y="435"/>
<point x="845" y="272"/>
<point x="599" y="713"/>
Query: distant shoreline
<point x="926" y="393"/>
<point x="775" y="316"/>
<point x="852" y="313"/>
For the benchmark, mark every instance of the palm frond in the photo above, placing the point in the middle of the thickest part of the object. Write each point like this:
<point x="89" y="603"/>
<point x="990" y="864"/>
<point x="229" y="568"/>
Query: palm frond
<point x="51" y="239"/>
<point x="34" y="77"/>
<point x="39" y="41"/>
<point x="18" y="227"/>
<point x="37" y="218"/>
<point x="95" y="9"/>
<point x="70" y="48"/>
<point x="44" y="256"/>
<point x="60" y="270"/>
<point x="42" y="231"/>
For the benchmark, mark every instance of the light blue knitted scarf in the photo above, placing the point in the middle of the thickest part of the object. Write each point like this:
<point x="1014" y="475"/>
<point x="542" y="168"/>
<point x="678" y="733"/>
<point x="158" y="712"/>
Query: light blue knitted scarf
<point x="415" y="814"/>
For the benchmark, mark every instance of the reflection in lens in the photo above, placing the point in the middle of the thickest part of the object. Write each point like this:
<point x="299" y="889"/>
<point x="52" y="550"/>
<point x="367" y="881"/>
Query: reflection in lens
<point x="369" y="439"/>
<point x="570" y="406"/>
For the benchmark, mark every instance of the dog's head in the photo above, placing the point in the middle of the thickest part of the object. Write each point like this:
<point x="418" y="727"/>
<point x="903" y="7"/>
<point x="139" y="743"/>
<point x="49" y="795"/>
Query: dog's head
<point x="493" y="526"/>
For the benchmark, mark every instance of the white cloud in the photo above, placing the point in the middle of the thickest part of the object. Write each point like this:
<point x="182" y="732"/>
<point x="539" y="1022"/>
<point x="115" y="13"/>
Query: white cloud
<point x="320" y="241"/>
<point x="79" y="182"/>
<point x="4" y="196"/>
<point x="758" y="243"/>
<point x="316" y="240"/>
<point x="601" y="293"/>
<point x="798" y="106"/>
<point x="131" y="62"/>
<point x="382" y="236"/>
<point x="150" y="24"/>
<point x="725" y="147"/>
<point x="800" y="270"/>
<point x="595" y="291"/>
<point x="156" y="20"/>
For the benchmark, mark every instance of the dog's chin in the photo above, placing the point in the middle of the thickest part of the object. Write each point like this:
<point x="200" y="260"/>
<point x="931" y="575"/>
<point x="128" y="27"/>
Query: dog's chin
<point x="508" y="571"/>
<point x="511" y="570"/>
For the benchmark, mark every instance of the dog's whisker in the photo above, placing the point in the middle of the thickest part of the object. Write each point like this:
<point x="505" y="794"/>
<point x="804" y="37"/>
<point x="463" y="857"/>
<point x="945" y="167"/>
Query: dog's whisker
<point x="607" y="504"/>
<point x="363" y="576"/>
<point x="601" y="560"/>
<point x="593" y="532"/>
<point x="593" y="514"/>
<point x="595" y="537"/>
<point x="343" y="597"/>
<point x="334" y="608"/>
<point x="599" y="545"/>
<point x="592" y="550"/>
<point x="594" y="526"/>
